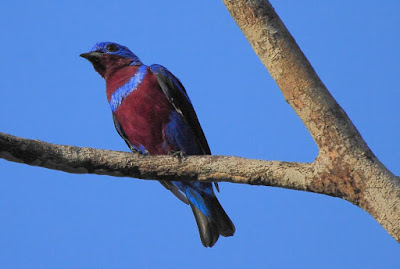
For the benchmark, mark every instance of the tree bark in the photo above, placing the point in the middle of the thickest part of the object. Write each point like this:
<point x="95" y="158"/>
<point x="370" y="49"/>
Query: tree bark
<point x="345" y="166"/>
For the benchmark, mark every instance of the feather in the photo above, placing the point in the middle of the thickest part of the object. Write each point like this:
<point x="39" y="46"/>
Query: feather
<point x="152" y="112"/>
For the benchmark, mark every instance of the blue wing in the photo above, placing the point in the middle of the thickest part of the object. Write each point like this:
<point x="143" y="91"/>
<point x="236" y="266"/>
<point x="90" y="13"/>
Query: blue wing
<point x="185" y="117"/>
<point x="184" y="130"/>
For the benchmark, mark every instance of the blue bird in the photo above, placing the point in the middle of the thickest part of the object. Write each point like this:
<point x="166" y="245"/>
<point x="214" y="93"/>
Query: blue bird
<point x="152" y="112"/>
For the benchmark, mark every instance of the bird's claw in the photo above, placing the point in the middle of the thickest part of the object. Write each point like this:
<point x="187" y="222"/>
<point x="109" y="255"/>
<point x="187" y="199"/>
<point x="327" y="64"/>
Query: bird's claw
<point x="179" y="154"/>
<point x="139" y="152"/>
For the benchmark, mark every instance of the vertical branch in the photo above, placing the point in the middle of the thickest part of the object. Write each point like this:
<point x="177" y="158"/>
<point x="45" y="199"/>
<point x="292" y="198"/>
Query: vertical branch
<point x="346" y="166"/>
<point x="299" y="83"/>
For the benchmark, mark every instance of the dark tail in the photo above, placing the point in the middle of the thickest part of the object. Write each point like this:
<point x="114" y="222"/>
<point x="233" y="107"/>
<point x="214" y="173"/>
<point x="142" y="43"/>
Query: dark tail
<point x="210" y="228"/>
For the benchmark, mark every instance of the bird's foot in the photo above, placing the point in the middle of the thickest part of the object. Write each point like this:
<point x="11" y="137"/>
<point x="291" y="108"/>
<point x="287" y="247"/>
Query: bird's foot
<point x="139" y="152"/>
<point x="178" y="154"/>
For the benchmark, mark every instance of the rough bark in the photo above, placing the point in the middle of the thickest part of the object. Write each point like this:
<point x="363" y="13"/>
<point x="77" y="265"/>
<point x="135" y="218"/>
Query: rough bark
<point x="79" y="160"/>
<point x="345" y="166"/>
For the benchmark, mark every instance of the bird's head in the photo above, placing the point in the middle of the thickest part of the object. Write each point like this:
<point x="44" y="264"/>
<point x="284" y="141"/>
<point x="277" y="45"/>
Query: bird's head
<point x="108" y="57"/>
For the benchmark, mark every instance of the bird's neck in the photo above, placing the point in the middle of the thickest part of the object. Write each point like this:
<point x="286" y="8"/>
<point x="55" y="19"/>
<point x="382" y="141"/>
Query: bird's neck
<point x="119" y="78"/>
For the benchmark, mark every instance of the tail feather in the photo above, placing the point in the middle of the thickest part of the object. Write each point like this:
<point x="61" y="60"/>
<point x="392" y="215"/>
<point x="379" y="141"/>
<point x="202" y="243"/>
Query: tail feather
<point x="224" y="223"/>
<point x="208" y="230"/>
<point x="211" y="227"/>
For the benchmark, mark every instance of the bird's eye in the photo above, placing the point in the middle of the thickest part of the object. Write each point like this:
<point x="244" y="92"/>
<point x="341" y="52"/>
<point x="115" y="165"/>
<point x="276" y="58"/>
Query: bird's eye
<point x="111" y="48"/>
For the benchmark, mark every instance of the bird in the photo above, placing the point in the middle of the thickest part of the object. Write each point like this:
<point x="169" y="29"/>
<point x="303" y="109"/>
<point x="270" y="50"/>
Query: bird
<point x="152" y="112"/>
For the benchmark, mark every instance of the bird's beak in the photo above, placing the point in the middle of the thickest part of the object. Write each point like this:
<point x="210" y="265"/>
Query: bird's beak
<point x="92" y="56"/>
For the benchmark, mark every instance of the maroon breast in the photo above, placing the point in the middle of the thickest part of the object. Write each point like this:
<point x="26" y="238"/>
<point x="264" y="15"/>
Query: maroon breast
<point x="144" y="112"/>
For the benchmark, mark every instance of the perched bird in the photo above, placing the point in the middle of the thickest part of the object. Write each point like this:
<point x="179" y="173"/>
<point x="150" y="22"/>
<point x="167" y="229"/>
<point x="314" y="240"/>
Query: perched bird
<point x="154" y="115"/>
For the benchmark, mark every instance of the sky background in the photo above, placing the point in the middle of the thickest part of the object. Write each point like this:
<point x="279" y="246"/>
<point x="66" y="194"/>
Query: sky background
<point x="51" y="219"/>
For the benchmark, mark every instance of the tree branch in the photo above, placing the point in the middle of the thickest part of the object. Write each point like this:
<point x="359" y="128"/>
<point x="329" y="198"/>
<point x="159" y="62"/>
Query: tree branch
<point x="345" y="166"/>
<point x="79" y="160"/>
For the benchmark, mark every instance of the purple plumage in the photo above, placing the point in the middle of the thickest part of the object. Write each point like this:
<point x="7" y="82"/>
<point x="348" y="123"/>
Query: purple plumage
<point x="154" y="115"/>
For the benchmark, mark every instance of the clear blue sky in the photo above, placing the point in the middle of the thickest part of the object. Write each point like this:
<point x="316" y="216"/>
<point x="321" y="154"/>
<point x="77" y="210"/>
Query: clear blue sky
<point x="50" y="219"/>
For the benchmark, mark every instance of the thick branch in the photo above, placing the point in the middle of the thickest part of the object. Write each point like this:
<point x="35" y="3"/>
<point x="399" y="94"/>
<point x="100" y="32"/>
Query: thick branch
<point x="349" y="165"/>
<point x="125" y="164"/>
<point x="327" y="123"/>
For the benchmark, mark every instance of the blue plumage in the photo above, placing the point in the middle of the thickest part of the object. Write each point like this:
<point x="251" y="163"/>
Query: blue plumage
<point x="152" y="112"/>
<point x="112" y="48"/>
<point x="161" y="70"/>
<point x="122" y="92"/>
<point x="180" y="136"/>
